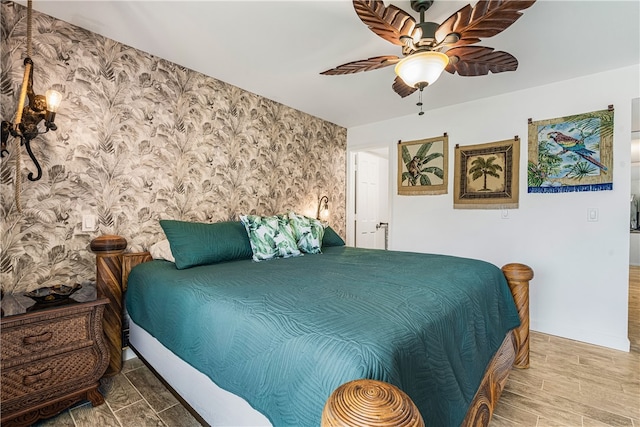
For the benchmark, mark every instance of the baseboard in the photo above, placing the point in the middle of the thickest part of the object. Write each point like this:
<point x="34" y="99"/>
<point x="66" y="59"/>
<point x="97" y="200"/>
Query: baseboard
<point x="589" y="337"/>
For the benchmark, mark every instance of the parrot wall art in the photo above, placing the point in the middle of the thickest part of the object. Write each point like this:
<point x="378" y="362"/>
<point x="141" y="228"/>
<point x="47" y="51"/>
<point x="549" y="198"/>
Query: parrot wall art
<point x="573" y="145"/>
<point x="573" y="153"/>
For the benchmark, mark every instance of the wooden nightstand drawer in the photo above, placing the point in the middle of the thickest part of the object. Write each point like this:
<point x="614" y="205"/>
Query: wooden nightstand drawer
<point x="52" y="357"/>
<point x="45" y="378"/>
<point x="43" y="338"/>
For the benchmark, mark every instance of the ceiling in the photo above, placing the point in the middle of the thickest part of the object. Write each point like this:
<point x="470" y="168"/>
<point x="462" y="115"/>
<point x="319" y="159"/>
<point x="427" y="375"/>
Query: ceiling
<point x="278" y="48"/>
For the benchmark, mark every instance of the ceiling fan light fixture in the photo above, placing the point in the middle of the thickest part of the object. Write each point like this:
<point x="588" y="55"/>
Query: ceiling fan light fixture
<point x="421" y="68"/>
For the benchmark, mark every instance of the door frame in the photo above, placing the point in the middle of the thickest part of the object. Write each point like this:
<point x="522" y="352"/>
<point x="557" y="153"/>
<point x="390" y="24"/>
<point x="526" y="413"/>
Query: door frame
<point x="383" y="152"/>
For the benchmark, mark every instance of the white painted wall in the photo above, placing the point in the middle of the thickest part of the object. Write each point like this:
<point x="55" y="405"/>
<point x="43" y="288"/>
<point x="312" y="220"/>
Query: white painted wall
<point x="580" y="288"/>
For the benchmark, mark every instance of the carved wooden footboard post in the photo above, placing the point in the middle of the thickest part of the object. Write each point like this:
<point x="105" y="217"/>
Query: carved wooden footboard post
<point x="108" y="284"/>
<point x="518" y="276"/>
<point x="366" y="402"/>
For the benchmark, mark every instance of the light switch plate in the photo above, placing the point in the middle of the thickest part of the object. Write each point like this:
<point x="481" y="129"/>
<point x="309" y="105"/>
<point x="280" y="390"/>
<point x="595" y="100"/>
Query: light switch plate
<point x="593" y="215"/>
<point x="88" y="223"/>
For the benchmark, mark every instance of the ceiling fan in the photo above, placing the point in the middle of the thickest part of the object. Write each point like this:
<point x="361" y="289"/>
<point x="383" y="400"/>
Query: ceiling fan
<point x="429" y="48"/>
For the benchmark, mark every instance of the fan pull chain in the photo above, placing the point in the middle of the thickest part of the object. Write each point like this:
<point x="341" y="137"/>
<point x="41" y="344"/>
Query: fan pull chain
<point x="419" y="103"/>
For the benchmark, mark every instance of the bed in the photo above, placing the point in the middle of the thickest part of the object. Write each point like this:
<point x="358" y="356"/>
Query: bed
<point x="265" y="343"/>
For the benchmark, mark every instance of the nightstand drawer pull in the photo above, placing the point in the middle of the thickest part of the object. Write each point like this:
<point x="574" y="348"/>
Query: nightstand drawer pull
<point x="43" y="337"/>
<point x="32" y="379"/>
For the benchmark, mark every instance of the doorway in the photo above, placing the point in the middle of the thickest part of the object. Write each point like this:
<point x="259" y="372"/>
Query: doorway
<point x="368" y="204"/>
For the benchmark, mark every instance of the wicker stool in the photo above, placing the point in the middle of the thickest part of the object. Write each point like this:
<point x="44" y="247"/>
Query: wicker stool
<point x="370" y="403"/>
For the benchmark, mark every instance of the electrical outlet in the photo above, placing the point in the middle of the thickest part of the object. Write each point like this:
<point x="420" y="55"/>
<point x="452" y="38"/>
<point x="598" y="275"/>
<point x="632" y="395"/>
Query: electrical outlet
<point x="593" y="215"/>
<point x="88" y="223"/>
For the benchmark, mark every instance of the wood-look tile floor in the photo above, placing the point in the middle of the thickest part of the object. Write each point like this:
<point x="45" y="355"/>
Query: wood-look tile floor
<point x="569" y="384"/>
<point x="634" y="307"/>
<point x="133" y="398"/>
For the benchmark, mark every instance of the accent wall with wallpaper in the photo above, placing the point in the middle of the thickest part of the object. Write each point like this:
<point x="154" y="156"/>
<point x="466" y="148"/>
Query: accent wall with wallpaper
<point x="141" y="139"/>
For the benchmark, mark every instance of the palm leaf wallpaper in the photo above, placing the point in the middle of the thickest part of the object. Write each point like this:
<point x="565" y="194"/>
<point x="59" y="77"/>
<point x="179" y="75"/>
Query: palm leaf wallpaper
<point x="141" y="139"/>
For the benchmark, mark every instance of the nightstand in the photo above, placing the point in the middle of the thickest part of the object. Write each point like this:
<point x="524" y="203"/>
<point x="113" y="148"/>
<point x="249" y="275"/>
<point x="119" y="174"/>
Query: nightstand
<point x="52" y="356"/>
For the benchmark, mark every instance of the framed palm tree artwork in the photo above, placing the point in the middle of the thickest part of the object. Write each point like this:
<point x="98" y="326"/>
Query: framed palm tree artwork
<point x="573" y="153"/>
<point x="486" y="175"/>
<point x="422" y="166"/>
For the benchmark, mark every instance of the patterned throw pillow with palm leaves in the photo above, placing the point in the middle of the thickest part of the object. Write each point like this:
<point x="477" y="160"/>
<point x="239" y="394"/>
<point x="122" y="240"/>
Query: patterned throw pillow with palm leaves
<point x="308" y="233"/>
<point x="270" y="236"/>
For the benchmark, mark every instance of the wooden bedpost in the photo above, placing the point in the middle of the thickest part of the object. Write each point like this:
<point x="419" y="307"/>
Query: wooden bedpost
<point x="366" y="402"/>
<point x="518" y="277"/>
<point x="108" y="284"/>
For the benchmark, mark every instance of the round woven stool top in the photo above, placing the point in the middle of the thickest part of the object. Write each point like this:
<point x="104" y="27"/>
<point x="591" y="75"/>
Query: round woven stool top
<point x="370" y="403"/>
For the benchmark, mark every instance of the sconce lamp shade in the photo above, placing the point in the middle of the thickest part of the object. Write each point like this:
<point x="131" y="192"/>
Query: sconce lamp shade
<point x="324" y="213"/>
<point x="421" y="68"/>
<point x="53" y="100"/>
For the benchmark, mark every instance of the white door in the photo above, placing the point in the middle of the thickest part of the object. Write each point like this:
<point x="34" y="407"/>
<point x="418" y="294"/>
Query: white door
<point x="370" y="200"/>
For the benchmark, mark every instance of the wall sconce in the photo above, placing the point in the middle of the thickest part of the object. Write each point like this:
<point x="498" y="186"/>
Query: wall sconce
<point x="29" y="116"/>
<point x="323" y="208"/>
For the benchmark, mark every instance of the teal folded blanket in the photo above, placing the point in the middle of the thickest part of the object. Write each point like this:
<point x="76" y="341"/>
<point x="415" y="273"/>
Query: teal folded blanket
<point x="283" y="334"/>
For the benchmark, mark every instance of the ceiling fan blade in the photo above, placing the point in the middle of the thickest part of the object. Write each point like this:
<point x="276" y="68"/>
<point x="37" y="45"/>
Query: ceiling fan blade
<point x="486" y="19"/>
<point x="401" y="88"/>
<point x="479" y="60"/>
<point x="362" y="65"/>
<point x="389" y="22"/>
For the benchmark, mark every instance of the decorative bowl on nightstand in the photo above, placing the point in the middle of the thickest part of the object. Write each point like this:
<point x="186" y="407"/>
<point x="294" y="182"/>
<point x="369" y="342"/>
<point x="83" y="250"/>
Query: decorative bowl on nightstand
<point x="52" y="294"/>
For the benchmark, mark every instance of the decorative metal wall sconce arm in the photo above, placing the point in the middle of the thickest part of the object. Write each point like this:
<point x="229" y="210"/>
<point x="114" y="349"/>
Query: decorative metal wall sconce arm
<point x="29" y="116"/>
<point x="323" y="205"/>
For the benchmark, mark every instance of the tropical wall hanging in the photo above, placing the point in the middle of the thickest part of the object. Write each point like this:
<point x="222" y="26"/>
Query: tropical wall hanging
<point x="573" y="153"/>
<point x="422" y="166"/>
<point x="486" y="175"/>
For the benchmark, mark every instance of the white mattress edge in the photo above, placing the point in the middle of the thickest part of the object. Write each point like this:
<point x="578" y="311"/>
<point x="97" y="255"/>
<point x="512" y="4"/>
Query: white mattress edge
<point x="216" y="406"/>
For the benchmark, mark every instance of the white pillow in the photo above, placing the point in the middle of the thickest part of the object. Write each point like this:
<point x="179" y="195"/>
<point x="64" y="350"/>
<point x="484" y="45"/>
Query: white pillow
<point x="162" y="250"/>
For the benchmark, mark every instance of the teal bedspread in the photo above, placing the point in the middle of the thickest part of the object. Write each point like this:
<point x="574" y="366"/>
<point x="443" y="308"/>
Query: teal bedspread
<point x="283" y="334"/>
